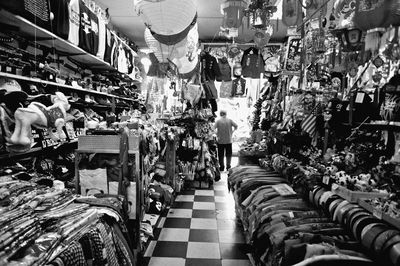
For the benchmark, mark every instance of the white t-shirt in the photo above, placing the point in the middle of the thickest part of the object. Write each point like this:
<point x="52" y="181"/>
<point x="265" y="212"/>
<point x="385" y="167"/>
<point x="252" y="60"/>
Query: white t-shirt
<point x="74" y="21"/>
<point x="122" y="60"/>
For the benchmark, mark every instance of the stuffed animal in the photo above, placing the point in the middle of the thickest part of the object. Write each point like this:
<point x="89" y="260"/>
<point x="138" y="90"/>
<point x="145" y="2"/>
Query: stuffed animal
<point x="40" y="116"/>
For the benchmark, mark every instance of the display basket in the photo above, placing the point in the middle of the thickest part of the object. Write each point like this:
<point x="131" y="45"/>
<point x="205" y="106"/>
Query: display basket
<point x="379" y="214"/>
<point x="355" y="196"/>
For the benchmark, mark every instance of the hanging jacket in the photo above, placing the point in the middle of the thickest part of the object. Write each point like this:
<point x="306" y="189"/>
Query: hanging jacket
<point x="252" y="63"/>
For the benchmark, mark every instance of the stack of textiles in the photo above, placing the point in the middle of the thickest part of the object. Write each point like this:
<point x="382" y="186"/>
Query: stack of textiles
<point x="49" y="225"/>
<point x="284" y="228"/>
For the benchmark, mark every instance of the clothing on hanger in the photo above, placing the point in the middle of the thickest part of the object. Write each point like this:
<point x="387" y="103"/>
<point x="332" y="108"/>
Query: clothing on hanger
<point x="239" y="87"/>
<point x="252" y="63"/>
<point x="210" y="67"/>
<point x="74" y="22"/>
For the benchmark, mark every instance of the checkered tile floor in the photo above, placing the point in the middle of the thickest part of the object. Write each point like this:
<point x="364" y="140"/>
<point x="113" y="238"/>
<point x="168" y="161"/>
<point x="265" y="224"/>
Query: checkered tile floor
<point x="199" y="229"/>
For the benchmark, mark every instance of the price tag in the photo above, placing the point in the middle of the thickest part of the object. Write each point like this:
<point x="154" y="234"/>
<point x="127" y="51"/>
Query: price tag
<point x="360" y="97"/>
<point x="377" y="213"/>
<point x="284" y="190"/>
<point x="291" y="215"/>
<point x="326" y="179"/>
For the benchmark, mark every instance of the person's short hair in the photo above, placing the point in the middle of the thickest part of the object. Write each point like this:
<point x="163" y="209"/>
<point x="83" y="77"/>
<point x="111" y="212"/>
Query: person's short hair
<point x="222" y="112"/>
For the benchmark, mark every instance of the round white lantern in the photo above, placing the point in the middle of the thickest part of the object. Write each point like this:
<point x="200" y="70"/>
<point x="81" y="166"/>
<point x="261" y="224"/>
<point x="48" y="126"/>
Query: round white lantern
<point x="166" y="17"/>
<point x="184" y="48"/>
<point x="186" y="65"/>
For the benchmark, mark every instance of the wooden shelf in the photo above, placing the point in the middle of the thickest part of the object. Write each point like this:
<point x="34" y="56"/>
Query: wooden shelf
<point x="393" y="126"/>
<point x="105" y="151"/>
<point x="44" y="37"/>
<point x="31" y="152"/>
<point x="51" y="83"/>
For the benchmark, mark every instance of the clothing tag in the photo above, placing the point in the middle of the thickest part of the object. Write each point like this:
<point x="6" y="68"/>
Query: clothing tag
<point x="291" y="214"/>
<point x="284" y="190"/>
<point x="335" y="186"/>
<point x="325" y="179"/>
<point x="377" y="213"/>
<point x="360" y="97"/>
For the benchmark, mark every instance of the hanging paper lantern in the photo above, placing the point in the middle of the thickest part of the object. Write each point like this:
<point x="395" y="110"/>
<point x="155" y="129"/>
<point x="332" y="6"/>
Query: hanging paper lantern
<point x="291" y="12"/>
<point x="262" y="37"/>
<point x="166" y="17"/>
<point x="175" y="38"/>
<point x="185" y="65"/>
<point x="183" y="48"/>
<point x="344" y="11"/>
<point x="373" y="14"/>
<point x="233" y="13"/>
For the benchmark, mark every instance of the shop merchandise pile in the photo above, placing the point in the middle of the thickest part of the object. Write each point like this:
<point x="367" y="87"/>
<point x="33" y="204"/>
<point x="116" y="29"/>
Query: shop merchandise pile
<point x="45" y="224"/>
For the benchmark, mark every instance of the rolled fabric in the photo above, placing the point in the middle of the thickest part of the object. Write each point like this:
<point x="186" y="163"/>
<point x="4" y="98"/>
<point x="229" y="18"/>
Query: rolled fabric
<point x="370" y="233"/>
<point x="382" y="239"/>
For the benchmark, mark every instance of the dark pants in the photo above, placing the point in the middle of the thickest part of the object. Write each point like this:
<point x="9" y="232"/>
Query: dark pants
<point x="224" y="149"/>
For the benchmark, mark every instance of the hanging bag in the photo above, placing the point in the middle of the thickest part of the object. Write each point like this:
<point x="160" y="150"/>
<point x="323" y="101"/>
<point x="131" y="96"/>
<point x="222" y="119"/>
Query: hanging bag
<point x="191" y="92"/>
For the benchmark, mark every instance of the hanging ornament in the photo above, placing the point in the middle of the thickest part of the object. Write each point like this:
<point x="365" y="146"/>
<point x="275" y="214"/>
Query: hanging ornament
<point x="185" y="65"/>
<point x="233" y="13"/>
<point x="166" y="17"/>
<point x="313" y="6"/>
<point x="291" y="12"/>
<point x="353" y="69"/>
<point x="344" y="11"/>
<point x="262" y="37"/>
<point x="350" y="39"/>
<point x="372" y="39"/>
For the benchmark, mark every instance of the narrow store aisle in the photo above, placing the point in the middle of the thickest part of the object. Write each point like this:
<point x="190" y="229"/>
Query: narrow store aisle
<point x="199" y="229"/>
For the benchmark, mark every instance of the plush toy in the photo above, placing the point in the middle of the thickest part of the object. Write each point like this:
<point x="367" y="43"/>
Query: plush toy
<point x="40" y="116"/>
<point x="331" y="170"/>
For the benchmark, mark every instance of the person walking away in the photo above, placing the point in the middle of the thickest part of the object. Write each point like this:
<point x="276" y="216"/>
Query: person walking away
<point x="225" y="128"/>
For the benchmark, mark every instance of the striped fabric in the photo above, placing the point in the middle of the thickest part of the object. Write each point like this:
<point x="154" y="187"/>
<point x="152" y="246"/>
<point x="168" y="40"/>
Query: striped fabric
<point x="309" y="124"/>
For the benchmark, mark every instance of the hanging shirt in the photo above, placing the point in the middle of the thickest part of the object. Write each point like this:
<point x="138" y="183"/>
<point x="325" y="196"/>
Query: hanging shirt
<point x="102" y="35"/>
<point x="74" y="22"/>
<point x="114" y="53"/>
<point x="85" y="28"/>
<point x="210" y="67"/>
<point x="60" y="23"/>
<point x="109" y="46"/>
<point x="94" y="33"/>
<point x="225" y="70"/>
<point x="252" y="63"/>
<point x="130" y="60"/>
<point x="238" y="87"/>
<point x="122" y="60"/>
